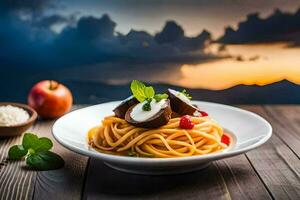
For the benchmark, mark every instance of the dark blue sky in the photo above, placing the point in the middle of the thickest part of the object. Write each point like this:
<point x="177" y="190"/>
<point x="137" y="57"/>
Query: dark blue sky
<point x="56" y="34"/>
<point x="193" y="15"/>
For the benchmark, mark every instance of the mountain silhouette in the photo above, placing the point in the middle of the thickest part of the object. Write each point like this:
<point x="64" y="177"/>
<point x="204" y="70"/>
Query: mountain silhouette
<point x="277" y="93"/>
<point x="92" y="92"/>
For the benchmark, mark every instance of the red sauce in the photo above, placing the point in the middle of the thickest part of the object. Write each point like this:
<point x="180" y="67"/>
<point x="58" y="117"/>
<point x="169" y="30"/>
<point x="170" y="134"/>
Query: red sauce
<point x="203" y="114"/>
<point x="225" y="139"/>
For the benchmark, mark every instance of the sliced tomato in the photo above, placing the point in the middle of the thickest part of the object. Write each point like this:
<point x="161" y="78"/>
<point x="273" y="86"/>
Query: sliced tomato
<point x="225" y="139"/>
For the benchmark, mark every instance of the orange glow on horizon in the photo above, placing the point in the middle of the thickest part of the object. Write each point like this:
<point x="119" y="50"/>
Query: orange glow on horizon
<point x="274" y="63"/>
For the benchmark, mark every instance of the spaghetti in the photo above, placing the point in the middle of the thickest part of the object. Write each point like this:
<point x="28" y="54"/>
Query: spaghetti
<point x="116" y="136"/>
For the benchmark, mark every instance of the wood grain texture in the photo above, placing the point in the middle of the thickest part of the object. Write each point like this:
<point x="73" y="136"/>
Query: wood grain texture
<point x="271" y="171"/>
<point x="106" y="183"/>
<point x="15" y="182"/>
<point x="19" y="182"/>
<point x="276" y="163"/>
<point x="232" y="178"/>
<point x="286" y="121"/>
<point x="241" y="179"/>
<point x="64" y="183"/>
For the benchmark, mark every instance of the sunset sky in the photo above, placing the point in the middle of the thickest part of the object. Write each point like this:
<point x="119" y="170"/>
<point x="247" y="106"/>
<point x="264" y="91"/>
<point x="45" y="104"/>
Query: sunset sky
<point x="186" y="43"/>
<point x="275" y="63"/>
<point x="192" y="15"/>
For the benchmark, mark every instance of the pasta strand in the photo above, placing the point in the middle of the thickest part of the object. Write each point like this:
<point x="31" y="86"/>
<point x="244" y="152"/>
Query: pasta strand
<point x="116" y="136"/>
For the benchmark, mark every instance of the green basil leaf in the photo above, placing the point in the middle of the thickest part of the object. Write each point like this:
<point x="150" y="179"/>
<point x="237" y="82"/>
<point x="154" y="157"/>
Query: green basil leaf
<point x="37" y="144"/>
<point x="43" y="144"/>
<point x="138" y="90"/>
<point x="16" y="152"/>
<point x="30" y="151"/>
<point x="45" y="160"/>
<point x="149" y="92"/>
<point x="159" y="97"/>
<point x="29" y="140"/>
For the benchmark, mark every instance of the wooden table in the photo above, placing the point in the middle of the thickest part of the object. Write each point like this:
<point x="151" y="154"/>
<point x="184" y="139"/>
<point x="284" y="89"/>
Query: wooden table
<point x="269" y="172"/>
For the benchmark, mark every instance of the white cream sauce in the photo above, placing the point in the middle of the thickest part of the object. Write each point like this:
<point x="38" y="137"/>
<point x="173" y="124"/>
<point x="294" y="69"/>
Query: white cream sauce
<point x="197" y="113"/>
<point x="181" y="96"/>
<point x="139" y="115"/>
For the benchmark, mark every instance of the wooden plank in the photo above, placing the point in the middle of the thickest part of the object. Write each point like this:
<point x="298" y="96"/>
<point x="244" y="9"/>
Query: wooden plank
<point x="241" y="179"/>
<point x="106" y="183"/>
<point x="232" y="178"/>
<point x="276" y="164"/>
<point x="15" y="182"/>
<point x="18" y="182"/>
<point x="286" y="120"/>
<point x="67" y="183"/>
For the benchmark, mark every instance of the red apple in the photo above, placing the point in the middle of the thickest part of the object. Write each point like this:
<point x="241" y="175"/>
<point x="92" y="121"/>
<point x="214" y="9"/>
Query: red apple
<point x="50" y="99"/>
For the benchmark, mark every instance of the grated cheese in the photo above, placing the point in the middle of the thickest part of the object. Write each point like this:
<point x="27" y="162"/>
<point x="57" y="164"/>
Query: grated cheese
<point x="12" y="115"/>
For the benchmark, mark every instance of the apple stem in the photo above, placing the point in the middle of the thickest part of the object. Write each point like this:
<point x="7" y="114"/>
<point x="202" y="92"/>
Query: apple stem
<point x="53" y="85"/>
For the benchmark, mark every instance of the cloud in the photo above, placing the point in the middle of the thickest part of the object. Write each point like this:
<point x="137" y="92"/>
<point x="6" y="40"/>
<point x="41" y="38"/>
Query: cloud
<point x="241" y="58"/>
<point x="92" y="40"/>
<point x="279" y="26"/>
<point x="89" y="40"/>
<point x="55" y="19"/>
<point x="21" y="45"/>
<point x="170" y="33"/>
<point x="34" y="7"/>
<point x="173" y="34"/>
<point x="100" y="42"/>
<point x="91" y="27"/>
<point x="254" y="58"/>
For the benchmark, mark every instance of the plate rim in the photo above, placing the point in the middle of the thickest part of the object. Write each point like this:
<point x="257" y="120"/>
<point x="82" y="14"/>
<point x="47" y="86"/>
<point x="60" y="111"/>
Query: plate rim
<point x="138" y="160"/>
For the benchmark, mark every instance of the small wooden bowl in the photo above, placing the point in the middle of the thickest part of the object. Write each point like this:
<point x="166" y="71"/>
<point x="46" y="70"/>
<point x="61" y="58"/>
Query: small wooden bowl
<point x="18" y="129"/>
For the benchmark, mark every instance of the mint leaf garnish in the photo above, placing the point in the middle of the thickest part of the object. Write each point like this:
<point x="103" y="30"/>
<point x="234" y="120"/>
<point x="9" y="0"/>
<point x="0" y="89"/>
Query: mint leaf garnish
<point x="149" y="92"/>
<point x="16" y="152"/>
<point x="142" y="92"/>
<point x="184" y="92"/>
<point x="147" y="105"/>
<point x="159" y="97"/>
<point x="138" y="90"/>
<point x="145" y="93"/>
<point x="36" y="152"/>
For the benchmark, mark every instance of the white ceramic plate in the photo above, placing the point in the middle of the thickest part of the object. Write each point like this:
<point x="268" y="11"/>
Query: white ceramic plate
<point x="249" y="131"/>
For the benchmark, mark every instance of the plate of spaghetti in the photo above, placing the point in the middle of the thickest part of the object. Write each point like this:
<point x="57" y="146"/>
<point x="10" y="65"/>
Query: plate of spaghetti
<point x="160" y="133"/>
